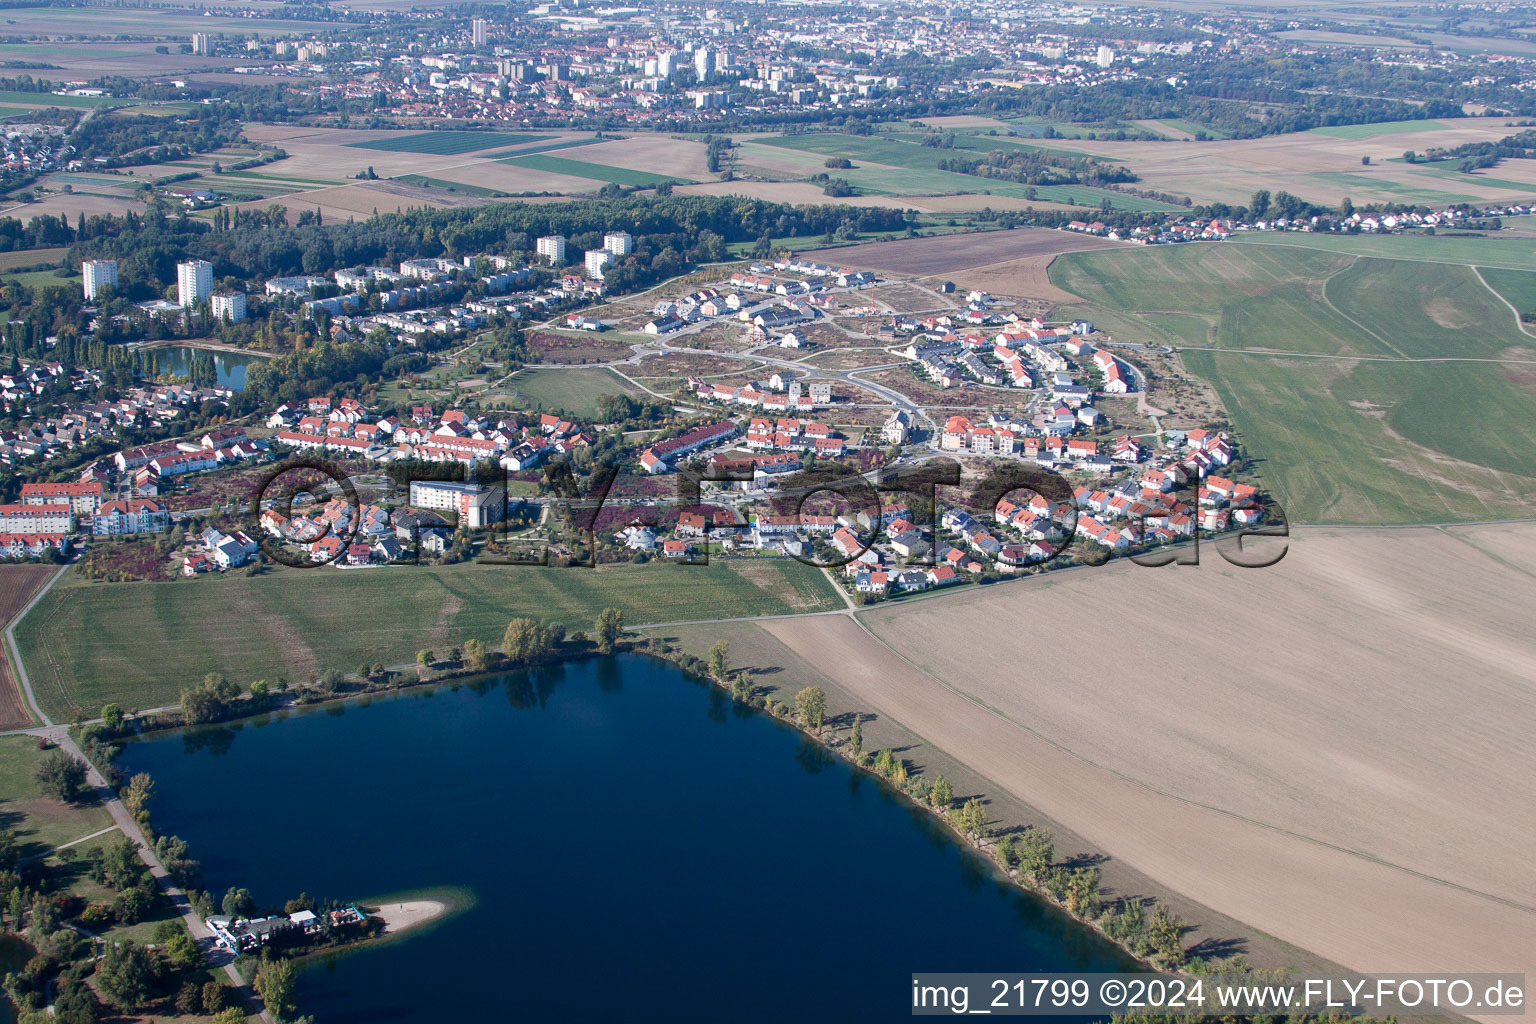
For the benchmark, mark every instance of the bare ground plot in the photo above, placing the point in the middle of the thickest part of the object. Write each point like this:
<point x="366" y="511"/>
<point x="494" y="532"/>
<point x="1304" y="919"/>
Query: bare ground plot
<point x="718" y="337"/>
<point x="904" y="298"/>
<point x="587" y="347"/>
<point x="943" y="254"/>
<point x="848" y="358"/>
<point x="17" y="585"/>
<point x="920" y="389"/>
<point x="685" y="364"/>
<point x="1024" y="278"/>
<point x="1368" y="692"/>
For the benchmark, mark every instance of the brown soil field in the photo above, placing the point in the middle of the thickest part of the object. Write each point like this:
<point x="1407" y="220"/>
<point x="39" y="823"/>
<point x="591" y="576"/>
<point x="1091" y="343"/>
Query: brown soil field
<point x="904" y="298"/>
<point x="1022" y="278"/>
<point x="1325" y="749"/>
<point x="570" y="348"/>
<point x="17" y="585"/>
<point x="70" y="206"/>
<point x="947" y="254"/>
<point x="658" y="154"/>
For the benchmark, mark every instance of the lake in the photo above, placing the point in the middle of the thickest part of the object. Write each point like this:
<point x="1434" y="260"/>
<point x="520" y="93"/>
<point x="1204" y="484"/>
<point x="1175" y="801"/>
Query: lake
<point x="637" y="846"/>
<point x="229" y="367"/>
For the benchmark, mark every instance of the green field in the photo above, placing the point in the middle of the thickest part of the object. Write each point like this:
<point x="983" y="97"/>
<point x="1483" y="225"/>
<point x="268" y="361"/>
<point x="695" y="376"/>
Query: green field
<point x="596" y="172"/>
<point x="424" y="181"/>
<point x="1517" y="286"/>
<point x="447" y="143"/>
<point x="1511" y="253"/>
<point x="1365" y="131"/>
<point x="48" y="99"/>
<point x="1365" y="390"/>
<point x="39" y="821"/>
<point x="909" y="168"/>
<point x="139" y="644"/>
<point x="575" y="391"/>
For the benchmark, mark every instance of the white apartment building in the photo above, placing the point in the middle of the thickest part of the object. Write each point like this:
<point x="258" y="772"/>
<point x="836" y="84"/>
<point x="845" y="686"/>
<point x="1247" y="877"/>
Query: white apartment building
<point x="620" y="243"/>
<point x="479" y="31"/>
<point x="596" y="260"/>
<point x="228" y="306"/>
<point x="552" y="248"/>
<point x="475" y="505"/>
<point x="98" y="274"/>
<point x="194" y="282"/>
<point x="703" y="63"/>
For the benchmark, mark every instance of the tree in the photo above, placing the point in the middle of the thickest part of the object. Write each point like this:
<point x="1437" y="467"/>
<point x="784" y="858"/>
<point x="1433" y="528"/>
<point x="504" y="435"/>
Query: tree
<point x="811" y="705"/>
<point x="526" y="641"/>
<point x="112" y="717"/>
<point x="424" y="657"/>
<point x="137" y="793"/>
<point x="1083" y="892"/>
<point x="476" y="655"/>
<point x="274" y="983"/>
<point x="237" y="903"/>
<point x="971" y="820"/>
<point x="215" y="997"/>
<point x="260" y="691"/>
<point x="76" y="1004"/>
<point x="942" y="794"/>
<point x="1166" y="934"/>
<point x="230" y="1015"/>
<point x="182" y="951"/>
<point x="1258" y="206"/>
<point x="61" y="776"/>
<point x="610" y="624"/>
<point x="856" y="742"/>
<point x="127" y="975"/>
<point x="719" y="659"/>
<point x="1036" y="850"/>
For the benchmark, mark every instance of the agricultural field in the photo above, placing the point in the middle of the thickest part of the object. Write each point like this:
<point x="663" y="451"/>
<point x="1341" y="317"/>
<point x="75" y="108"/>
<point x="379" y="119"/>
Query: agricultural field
<point x="31" y="258"/>
<point x="86" y="644"/>
<point x="20" y="582"/>
<point x="1329" y="756"/>
<point x="1512" y="253"/>
<point x="1366" y="131"/>
<point x="575" y="391"/>
<point x="596" y="172"/>
<point x="1364" y="390"/>
<point x="940" y="254"/>
<point x="447" y="143"/>
<point x="1322" y="166"/>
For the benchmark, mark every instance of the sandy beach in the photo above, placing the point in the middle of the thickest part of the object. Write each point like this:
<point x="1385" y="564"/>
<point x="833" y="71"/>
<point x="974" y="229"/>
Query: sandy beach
<point x="400" y="917"/>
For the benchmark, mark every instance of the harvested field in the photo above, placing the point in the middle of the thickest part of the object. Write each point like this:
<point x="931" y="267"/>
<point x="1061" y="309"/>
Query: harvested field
<point x="945" y="254"/>
<point x="1326" y="752"/>
<point x="17" y="585"/>
<point x="660" y="155"/>
<point x="70" y="206"/>
<point x="795" y="192"/>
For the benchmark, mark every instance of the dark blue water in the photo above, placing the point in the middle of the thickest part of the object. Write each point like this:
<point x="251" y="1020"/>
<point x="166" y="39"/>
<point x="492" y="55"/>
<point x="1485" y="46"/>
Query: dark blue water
<point x="637" y="846"/>
<point x="229" y="367"/>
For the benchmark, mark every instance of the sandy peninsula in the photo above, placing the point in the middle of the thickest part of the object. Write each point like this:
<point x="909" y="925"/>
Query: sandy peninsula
<point x="400" y="917"/>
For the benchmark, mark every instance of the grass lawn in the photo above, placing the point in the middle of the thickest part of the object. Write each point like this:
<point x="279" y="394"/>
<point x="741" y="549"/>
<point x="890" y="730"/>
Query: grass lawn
<point x="40" y="279"/>
<point x="447" y="143"/>
<point x="31" y="257"/>
<point x="139" y="644"/>
<point x="575" y="391"/>
<point x="39" y="821"/>
<point x="1326" y="368"/>
<point x="1365" y="131"/>
<point x="596" y="172"/>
